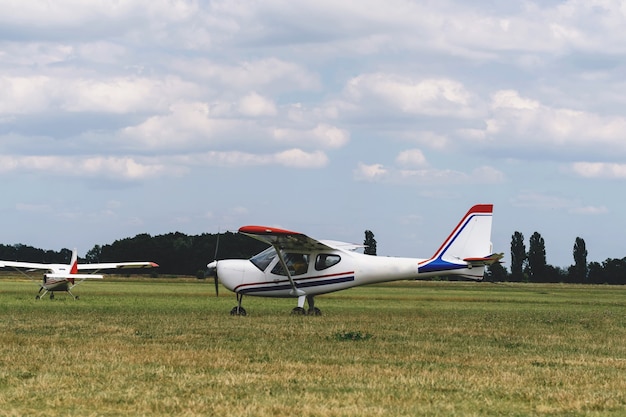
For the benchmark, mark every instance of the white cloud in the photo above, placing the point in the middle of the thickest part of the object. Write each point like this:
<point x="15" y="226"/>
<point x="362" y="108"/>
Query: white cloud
<point x="599" y="170"/>
<point x="411" y="157"/>
<point x="299" y="159"/>
<point x="294" y="158"/>
<point x="115" y="168"/>
<point x="122" y="95"/>
<point x="510" y="99"/>
<point x="187" y="124"/>
<point x="517" y="122"/>
<point x="373" y="172"/>
<point x="427" y="176"/>
<point x="432" y="97"/>
<point x="322" y="135"/>
<point x="269" y="74"/>
<point x="255" y="105"/>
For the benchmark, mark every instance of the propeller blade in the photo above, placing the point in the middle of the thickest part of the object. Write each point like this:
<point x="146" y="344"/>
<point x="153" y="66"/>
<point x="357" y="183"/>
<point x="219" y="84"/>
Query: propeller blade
<point x="215" y="278"/>
<point x="212" y="272"/>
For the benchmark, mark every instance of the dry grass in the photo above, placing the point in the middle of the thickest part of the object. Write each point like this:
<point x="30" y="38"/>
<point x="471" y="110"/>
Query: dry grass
<point x="170" y="348"/>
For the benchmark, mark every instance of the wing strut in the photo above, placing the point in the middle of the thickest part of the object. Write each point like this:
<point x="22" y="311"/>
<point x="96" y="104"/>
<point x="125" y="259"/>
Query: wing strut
<point x="295" y="291"/>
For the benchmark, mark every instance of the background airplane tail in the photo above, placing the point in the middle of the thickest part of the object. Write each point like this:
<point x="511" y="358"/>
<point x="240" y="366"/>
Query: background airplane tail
<point x="73" y="265"/>
<point x="467" y="250"/>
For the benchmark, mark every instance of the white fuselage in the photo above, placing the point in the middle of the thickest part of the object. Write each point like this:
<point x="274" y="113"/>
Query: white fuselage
<point x="352" y="269"/>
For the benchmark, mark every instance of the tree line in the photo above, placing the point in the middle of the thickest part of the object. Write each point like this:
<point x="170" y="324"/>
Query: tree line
<point x="181" y="254"/>
<point x="531" y="265"/>
<point x="176" y="253"/>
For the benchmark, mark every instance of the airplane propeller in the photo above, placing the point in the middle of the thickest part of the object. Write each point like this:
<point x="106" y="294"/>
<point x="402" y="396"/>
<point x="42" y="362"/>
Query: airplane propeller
<point x="212" y="267"/>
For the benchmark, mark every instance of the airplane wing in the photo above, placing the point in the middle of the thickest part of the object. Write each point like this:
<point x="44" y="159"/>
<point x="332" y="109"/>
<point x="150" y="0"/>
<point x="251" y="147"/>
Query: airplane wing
<point x="284" y="239"/>
<point x="25" y="265"/>
<point x="116" y="265"/>
<point x="487" y="260"/>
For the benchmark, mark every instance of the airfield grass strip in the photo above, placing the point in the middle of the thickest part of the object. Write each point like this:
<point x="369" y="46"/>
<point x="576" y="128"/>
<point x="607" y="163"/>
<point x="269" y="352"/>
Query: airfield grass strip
<point x="151" y="347"/>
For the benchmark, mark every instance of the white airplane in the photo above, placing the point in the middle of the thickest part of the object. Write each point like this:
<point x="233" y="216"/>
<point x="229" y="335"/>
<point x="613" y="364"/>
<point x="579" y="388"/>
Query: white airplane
<point x="61" y="277"/>
<point x="297" y="266"/>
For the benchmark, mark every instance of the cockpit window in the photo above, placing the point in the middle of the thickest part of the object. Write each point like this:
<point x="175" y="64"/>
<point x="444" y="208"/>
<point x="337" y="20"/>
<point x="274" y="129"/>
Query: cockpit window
<point x="324" y="261"/>
<point x="263" y="259"/>
<point x="297" y="263"/>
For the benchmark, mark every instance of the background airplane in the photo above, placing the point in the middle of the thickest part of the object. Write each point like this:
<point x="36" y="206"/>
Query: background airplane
<point x="297" y="266"/>
<point x="61" y="277"/>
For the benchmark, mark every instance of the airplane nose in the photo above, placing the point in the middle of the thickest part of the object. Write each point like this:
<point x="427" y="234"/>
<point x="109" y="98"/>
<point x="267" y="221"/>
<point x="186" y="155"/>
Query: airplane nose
<point x="231" y="272"/>
<point x="211" y="269"/>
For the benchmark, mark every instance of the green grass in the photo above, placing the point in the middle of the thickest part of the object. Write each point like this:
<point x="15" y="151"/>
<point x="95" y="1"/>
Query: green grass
<point x="155" y="347"/>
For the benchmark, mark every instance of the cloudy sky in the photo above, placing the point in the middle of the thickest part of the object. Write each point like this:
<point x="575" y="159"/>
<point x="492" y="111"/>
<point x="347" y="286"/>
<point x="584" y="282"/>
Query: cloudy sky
<point x="326" y="117"/>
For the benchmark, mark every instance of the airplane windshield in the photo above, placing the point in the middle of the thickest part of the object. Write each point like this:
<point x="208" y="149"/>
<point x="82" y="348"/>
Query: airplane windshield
<point x="263" y="259"/>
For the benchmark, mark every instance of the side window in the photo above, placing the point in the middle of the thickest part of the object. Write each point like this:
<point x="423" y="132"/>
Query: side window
<point x="324" y="261"/>
<point x="297" y="263"/>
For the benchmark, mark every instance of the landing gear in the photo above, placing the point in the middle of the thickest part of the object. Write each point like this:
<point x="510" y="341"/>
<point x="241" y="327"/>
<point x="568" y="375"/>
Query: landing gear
<point x="312" y="311"/>
<point x="238" y="310"/>
<point x="46" y="291"/>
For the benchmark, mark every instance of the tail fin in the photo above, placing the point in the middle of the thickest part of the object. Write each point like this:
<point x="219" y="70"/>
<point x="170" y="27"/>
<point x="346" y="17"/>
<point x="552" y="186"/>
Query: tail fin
<point x="73" y="265"/>
<point x="467" y="249"/>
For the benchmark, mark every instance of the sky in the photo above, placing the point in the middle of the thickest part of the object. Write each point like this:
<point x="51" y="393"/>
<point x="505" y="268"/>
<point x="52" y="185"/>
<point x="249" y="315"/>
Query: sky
<point x="327" y="118"/>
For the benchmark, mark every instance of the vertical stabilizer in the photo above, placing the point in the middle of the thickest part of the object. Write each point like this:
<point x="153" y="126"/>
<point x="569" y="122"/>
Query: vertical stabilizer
<point x="73" y="265"/>
<point x="470" y="239"/>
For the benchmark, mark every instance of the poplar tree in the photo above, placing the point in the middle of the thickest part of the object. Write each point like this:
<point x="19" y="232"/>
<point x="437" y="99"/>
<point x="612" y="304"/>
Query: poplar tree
<point x="536" y="258"/>
<point x="518" y="256"/>
<point x="580" y="261"/>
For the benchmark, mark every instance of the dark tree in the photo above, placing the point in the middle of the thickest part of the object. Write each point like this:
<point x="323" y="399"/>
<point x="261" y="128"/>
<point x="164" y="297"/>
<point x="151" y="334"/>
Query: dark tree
<point x="579" y="272"/>
<point x="370" y="243"/>
<point x="518" y="256"/>
<point x="596" y="273"/>
<point x="613" y="272"/>
<point x="496" y="273"/>
<point x="537" y="258"/>
<point x="93" y="255"/>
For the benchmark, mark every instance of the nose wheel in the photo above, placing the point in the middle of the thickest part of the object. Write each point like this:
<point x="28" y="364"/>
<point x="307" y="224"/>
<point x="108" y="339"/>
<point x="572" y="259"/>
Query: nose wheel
<point x="238" y="311"/>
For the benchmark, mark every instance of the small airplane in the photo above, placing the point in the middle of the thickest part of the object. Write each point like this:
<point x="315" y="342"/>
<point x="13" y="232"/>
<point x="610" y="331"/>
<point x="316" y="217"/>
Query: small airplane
<point x="298" y="266"/>
<point x="62" y="277"/>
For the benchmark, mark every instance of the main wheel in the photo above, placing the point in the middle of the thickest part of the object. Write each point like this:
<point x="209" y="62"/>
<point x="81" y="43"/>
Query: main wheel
<point x="298" y="311"/>
<point x="314" y="311"/>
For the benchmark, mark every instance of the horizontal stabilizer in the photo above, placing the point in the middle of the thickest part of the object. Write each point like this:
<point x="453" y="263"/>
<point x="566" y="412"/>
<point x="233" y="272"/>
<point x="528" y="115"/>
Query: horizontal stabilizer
<point x="74" y="276"/>
<point x="487" y="260"/>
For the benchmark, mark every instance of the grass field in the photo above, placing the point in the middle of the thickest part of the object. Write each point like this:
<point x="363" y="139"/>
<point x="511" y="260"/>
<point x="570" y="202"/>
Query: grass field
<point x="158" y="347"/>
